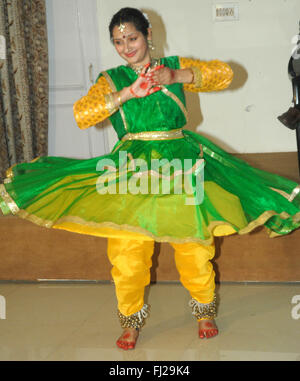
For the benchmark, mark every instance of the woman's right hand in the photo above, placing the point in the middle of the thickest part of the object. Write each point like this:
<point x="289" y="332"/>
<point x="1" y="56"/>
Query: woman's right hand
<point x="143" y="86"/>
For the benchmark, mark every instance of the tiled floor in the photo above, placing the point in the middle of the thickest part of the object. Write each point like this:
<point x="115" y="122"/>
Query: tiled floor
<point x="77" y="321"/>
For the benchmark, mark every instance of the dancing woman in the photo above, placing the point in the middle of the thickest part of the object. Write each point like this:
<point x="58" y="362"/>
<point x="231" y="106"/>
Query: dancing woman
<point x="122" y="195"/>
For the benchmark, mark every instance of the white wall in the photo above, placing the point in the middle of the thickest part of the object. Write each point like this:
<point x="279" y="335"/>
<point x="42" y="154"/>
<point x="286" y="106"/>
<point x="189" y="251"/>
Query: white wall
<point x="244" y="118"/>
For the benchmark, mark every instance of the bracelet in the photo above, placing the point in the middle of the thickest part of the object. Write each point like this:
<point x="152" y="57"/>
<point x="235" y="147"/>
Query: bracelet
<point x="120" y="100"/>
<point x="197" y="76"/>
<point x="110" y="103"/>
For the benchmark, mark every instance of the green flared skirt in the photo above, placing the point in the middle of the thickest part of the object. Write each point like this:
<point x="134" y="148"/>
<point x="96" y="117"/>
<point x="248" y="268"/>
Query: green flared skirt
<point x="177" y="190"/>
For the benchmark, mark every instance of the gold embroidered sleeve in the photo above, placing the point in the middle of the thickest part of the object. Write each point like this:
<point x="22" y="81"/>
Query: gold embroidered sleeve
<point x="208" y="76"/>
<point x="96" y="106"/>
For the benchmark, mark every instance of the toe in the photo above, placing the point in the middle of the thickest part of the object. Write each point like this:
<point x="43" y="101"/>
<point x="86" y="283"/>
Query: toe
<point x="131" y="345"/>
<point x="122" y="344"/>
<point x="207" y="333"/>
<point x="211" y="333"/>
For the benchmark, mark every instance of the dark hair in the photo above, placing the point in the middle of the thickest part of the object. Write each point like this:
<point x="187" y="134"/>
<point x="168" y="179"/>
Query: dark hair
<point x="133" y="15"/>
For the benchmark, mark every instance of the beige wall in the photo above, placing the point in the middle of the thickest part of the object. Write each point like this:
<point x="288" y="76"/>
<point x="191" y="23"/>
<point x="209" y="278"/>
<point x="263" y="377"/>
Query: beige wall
<point x="258" y="46"/>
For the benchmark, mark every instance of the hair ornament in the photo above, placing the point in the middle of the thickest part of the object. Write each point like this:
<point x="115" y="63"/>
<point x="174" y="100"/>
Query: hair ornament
<point x="147" y="18"/>
<point x="121" y="27"/>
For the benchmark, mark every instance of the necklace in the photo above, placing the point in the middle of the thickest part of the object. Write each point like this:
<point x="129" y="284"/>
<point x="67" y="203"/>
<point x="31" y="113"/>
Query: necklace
<point x="138" y="69"/>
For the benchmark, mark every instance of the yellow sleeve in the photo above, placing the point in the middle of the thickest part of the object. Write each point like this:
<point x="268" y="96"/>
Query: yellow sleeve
<point x="96" y="106"/>
<point x="208" y="76"/>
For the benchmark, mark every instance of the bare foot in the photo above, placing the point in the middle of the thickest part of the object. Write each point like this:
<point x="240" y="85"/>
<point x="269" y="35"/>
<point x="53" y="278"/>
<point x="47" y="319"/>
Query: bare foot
<point x="128" y="339"/>
<point x="207" y="328"/>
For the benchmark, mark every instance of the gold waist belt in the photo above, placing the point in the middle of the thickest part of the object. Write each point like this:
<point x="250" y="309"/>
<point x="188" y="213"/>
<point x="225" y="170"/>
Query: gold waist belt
<point x="154" y="135"/>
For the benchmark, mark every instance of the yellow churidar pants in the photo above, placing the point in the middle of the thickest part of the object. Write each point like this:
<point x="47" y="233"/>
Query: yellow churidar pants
<point x="131" y="261"/>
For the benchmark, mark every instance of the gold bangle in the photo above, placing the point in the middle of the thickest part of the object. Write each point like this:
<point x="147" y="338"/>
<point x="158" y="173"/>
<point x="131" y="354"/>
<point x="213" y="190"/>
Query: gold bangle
<point x="197" y="77"/>
<point x="119" y="100"/>
<point x="110" y="104"/>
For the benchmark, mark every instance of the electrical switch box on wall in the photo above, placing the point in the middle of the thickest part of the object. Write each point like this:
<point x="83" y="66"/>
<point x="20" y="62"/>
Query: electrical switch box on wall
<point x="226" y="12"/>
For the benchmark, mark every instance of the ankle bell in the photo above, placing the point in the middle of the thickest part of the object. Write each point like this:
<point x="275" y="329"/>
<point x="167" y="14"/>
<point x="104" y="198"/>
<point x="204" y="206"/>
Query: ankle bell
<point x="136" y="320"/>
<point x="204" y="310"/>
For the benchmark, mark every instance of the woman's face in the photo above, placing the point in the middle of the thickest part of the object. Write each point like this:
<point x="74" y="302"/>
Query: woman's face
<point x="131" y="44"/>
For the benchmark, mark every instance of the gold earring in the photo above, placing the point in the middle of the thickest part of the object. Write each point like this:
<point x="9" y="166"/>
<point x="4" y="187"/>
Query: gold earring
<point x="150" y="44"/>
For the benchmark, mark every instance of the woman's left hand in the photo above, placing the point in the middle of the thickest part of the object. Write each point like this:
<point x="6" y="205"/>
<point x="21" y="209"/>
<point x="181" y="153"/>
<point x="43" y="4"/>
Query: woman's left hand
<point x="161" y="76"/>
